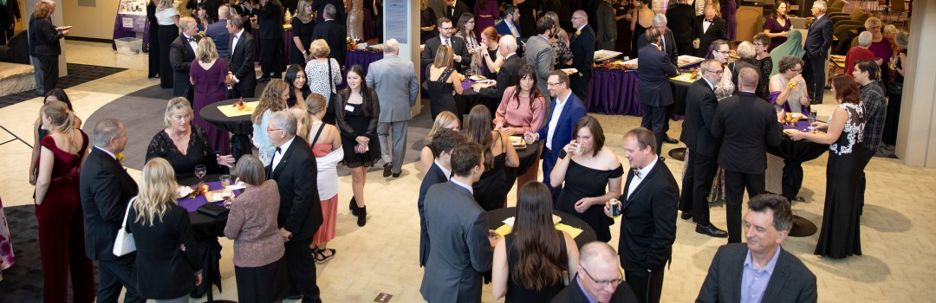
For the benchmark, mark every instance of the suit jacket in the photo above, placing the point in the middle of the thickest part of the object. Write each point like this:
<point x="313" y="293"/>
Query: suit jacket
<point x="43" y="38"/>
<point x="504" y="29"/>
<point x="746" y="125"/>
<point x="507" y="76"/>
<point x="458" y="46"/>
<point x="718" y="30"/>
<point x="319" y="7"/>
<point x="394" y="80"/>
<point x="434" y="176"/>
<point x="539" y="54"/>
<point x="163" y="270"/>
<point x="683" y="26"/>
<point x="583" y="50"/>
<point x="181" y="55"/>
<point x="648" y="220"/>
<point x="573" y="293"/>
<point x="819" y="38"/>
<point x="697" y="126"/>
<point x="459" y="9"/>
<point x="270" y="21"/>
<point x="335" y="34"/>
<point x="222" y="39"/>
<point x="670" y="43"/>
<point x="572" y="111"/>
<point x="105" y="188"/>
<point x="241" y="63"/>
<point x="606" y="25"/>
<point x="300" y="210"/>
<point x="791" y="281"/>
<point x="653" y="72"/>
<point x="459" y="251"/>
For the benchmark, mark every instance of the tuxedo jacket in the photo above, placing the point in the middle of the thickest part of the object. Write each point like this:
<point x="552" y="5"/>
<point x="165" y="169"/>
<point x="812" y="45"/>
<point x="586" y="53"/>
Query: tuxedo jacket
<point x="241" y="63"/>
<point x="572" y="111"/>
<point x="454" y="13"/>
<point x="458" y="46"/>
<point x="700" y="109"/>
<point x="270" y="21"/>
<point x="105" y="189"/>
<point x="181" y="55"/>
<point x="335" y="34"/>
<point x="582" y="46"/>
<point x="300" y="209"/>
<point x="434" y="176"/>
<point x="653" y="72"/>
<point x="319" y="7"/>
<point x="507" y="76"/>
<point x="669" y="45"/>
<point x="648" y="220"/>
<point x="791" y="281"/>
<point x="573" y="293"/>
<point x="746" y="125"/>
<point x="717" y="30"/>
<point x="819" y="38"/>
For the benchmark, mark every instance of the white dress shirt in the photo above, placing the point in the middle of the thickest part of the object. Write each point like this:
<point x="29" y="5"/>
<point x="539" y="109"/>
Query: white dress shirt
<point x="278" y="155"/>
<point x="463" y="185"/>
<point x="705" y="25"/>
<point x="640" y="175"/>
<point x="447" y="172"/>
<point x="191" y="42"/>
<point x="554" y="119"/>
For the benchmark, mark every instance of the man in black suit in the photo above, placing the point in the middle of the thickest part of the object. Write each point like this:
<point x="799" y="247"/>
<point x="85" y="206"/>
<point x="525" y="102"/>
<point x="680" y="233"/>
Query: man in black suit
<point x="746" y="125"/>
<point x="454" y="9"/>
<point x="648" y="223"/>
<point x="737" y="268"/>
<point x="442" y="144"/>
<point x="509" y="72"/>
<point x="667" y="40"/>
<point x="583" y="53"/>
<point x="682" y="21"/>
<point x="339" y="15"/>
<point x="270" y="22"/>
<point x="653" y="72"/>
<point x="241" y="79"/>
<point x="334" y="33"/>
<point x="181" y="54"/>
<point x="709" y="27"/>
<point x="818" y="42"/>
<point x="300" y="213"/>
<point x="446" y="36"/>
<point x="106" y="188"/>
<point x="598" y="268"/>
<point x="696" y="133"/>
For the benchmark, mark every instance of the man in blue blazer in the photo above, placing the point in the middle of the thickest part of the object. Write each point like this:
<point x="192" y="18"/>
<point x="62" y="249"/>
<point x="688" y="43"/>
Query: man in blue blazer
<point x="818" y="41"/>
<point x="653" y="72"/>
<point x="442" y="144"/>
<point x="508" y="23"/>
<point x="565" y="109"/>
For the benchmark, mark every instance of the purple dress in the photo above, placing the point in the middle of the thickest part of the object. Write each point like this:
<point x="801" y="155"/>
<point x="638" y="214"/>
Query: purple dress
<point x="490" y="8"/>
<point x="209" y="88"/>
<point x="882" y="49"/>
<point x="729" y="10"/>
<point x="774" y="27"/>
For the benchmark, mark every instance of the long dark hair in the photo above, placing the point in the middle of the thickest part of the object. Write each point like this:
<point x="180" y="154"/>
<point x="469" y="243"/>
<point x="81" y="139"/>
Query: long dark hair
<point x="478" y="127"/>
<point x="370" y="106"/>
<point x="542" y="262"/>
<point x="292" y="71"/>
<point x="59" y="94"/>
<point x="526" y="71"/>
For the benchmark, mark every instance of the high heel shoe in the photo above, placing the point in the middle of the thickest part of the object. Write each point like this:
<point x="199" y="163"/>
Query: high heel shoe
<point x="362" y="216"/>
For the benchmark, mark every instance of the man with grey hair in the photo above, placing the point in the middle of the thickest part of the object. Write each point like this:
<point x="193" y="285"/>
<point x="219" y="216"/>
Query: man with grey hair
<point x="218" y="32"/>
<point x="509" y="71"/>
<point x="106" y="189"/>
<point x="667" y="43"/>
<point x="818" y="42"/>
<point x="598" y="269"/>
<point x="333" y="32"/>
<point x="181" y="55"/>
<point x="582" y="45"/>
<point x="394" y="80"/>
<point x="760" y="270"/>
<point x="300" y="213"/>
<point x="859" y="52"/>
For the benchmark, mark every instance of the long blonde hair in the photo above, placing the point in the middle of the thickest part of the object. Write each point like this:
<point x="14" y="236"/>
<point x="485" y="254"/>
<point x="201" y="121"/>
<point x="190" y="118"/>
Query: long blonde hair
<point x="206" y="51"/>
<point x="63" y="119"/>
<point x="157" y="191"/>
<point x="271" y="99"/>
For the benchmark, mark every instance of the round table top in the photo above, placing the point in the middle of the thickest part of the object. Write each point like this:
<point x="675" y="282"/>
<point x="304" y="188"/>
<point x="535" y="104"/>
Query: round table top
<point x="497" y="216"/>
<point x="236" y="124"/>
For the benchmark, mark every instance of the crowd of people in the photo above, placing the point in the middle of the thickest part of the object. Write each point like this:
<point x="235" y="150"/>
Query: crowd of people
<point x="282" y="222"/>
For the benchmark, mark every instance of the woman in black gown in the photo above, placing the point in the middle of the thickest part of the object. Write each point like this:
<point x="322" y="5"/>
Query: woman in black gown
<point x="840" y="236"/>
<point x="491" y="190"/>
<point x="153" y="32"/>
<point x="443" y="80"/>
<point x="587" y="170"/>
<point x="302" y="26"/>
<point x="622" y="16"/>
<point x="185" y="145"/>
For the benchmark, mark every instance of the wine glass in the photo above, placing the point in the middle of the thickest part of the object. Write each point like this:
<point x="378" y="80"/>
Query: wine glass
<point x="200" y="171"/>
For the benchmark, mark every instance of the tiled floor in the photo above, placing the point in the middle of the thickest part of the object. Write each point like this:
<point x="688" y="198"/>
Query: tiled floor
<point x="896" y="229"/>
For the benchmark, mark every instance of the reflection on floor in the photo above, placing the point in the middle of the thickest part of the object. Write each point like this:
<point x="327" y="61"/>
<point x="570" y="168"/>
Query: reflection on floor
<point x="381" y="257"/>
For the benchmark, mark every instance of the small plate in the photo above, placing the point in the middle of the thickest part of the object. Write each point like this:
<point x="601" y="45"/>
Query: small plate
<point x="183" y="191"/>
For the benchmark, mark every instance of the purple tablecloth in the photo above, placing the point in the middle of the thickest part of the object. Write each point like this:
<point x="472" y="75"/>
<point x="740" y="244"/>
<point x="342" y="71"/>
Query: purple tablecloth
<point x="613" y="92"/>
<point x="138" y="24"/>
<point x="801" y="125"/>
<point x="362" y="58"/>
<point x="192" y="204"/>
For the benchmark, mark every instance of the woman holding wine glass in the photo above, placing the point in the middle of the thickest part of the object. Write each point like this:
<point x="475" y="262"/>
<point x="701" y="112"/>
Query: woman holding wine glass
<point x="184" y="145"/>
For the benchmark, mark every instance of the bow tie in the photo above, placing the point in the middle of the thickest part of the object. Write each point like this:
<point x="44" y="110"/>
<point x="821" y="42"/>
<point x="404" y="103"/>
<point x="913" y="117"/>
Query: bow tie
<point x="191" y="39"/>
<point x="708" y="20"/>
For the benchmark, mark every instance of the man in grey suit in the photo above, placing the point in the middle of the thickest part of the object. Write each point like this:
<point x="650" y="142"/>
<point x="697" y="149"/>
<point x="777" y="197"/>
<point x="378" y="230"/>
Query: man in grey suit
<point x="460" y="249"/>
<point x="539" y="53"/>
<point x="760" y="270"/>
<point x="394" y="80"/>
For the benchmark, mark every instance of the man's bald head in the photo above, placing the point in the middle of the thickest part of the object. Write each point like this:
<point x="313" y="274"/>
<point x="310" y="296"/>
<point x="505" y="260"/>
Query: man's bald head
<point x="747" y="79"/>
<point x="599" y="255"/>
<point x="579" y="19"/>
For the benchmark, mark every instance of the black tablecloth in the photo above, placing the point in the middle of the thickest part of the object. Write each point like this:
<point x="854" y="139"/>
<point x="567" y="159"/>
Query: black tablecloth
<point x="797" y="151"/>
<point x="679" y="97"/>
<point x="240" y="126"/>
<point x="495" y="218"/>
<point x="206" y="230"/>
<point x="528" y="156"/>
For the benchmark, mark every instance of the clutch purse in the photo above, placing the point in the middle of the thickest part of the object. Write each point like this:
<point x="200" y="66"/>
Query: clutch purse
<point x="213" y="210"/>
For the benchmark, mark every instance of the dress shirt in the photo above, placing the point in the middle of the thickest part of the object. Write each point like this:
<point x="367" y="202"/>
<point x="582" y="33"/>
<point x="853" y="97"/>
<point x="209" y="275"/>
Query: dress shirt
<point x="640" y="174"/>
<point x="554" y="119"/>
<point x="191" y="42"/>
<point x="754" y="281"/>
<point x="278" y="155"/>
<point x="446" y="171"/>
<point x="463" y="185"/>
<point x="234" y="44"/>
<point x="513" y="29"/>
<point x="588" y="296"/>
<point x="446" y="41"/>
<point x="705" y="25"/>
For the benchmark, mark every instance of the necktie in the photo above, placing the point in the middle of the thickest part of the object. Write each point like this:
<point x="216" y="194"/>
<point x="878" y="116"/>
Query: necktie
<point x="636" y="172"/>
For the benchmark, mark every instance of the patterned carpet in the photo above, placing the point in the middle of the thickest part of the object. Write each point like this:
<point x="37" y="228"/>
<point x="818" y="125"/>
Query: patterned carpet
<point x="23" y="281"/>
<point x="77" y="74"/>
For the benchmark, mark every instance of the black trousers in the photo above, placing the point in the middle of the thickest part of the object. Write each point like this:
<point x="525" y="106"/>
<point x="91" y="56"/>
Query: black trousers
<point x="301" y="268"/>
<point x="261" y="284"/>
<point x="647" y="285"/>
<point x="792" y="179"/>
<point x="814" y="74"/>
<point x="697" y="184"/>
<point x="114" y="275"/>
<point x="862" y="181"/>
<point x="580" y="86"/>
<point x="735" y="184"/>
<point x="891" y="117"/>
<point x="654" y="119"/>
<point x="50" y="71"/>
<point x="271" y="51"/>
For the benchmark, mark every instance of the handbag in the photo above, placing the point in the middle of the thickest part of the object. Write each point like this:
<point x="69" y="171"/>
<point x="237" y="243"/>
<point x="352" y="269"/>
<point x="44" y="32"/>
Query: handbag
<point x="332" y="96"/>
<point x="124" y="243"/>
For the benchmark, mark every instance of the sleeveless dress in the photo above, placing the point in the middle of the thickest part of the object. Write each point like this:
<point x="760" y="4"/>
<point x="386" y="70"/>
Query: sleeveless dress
<point x="303" y="30"/>
<point x="61" y="229"/>
<point x="326" y="162"/>
<point x="581" y="182"/>
<point x="516" y="293"/>
<point x="210" y="88"/>
<point x="491" y="190"/>
<point x="840" y="237"/>
<point x="359" y="122"/>
<point x="440" y="94"/>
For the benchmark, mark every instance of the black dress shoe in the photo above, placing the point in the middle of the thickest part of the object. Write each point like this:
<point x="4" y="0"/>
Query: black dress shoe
<point x="396" y="175"/>
<point x="710" y="230"/>
<point x="386" y="169"/>
<point x="667" y="139"/>
<point x="685" y="216"/>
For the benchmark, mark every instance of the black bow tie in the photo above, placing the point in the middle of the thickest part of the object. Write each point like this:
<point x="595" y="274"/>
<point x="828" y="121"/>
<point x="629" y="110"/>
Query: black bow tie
<point x="708" y="20"/>
<point x="191" y="39"/>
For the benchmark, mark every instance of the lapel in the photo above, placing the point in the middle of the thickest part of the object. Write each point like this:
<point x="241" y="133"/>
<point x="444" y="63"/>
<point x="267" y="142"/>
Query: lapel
<point x="777" y="280"/>
<point x="276" y="171"/>
<point x="646" y="180"/>
<point x="240" y="41"/>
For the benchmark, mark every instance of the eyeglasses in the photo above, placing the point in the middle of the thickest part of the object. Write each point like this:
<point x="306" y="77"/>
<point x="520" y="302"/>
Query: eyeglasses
<point x="723" y="52"/>
<point x="553" y="83"/>
<point x="796" y="70"/>
<point x="612" y="282"/>
<point x="273" y="129"/>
